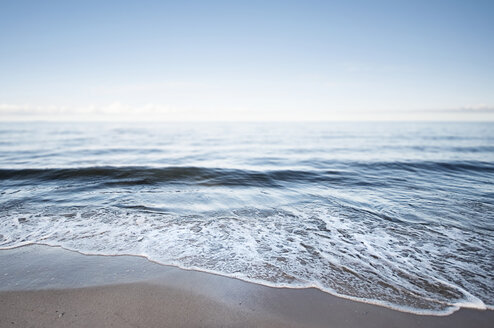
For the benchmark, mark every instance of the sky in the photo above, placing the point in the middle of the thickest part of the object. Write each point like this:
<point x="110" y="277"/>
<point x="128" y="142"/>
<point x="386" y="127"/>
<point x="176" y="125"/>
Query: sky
<point x="247" y="60"/>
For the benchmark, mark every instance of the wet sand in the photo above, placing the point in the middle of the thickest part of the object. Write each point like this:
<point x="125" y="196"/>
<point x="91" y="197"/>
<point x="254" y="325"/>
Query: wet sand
<point x="44" y="286"/>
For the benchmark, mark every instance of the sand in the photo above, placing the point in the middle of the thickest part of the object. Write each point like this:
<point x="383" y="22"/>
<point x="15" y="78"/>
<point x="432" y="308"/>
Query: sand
<point x="50" y="287"/>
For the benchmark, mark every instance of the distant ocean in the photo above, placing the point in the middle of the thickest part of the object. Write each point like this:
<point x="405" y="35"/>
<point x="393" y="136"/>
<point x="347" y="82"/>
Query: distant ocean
<point x="397" y="214"/>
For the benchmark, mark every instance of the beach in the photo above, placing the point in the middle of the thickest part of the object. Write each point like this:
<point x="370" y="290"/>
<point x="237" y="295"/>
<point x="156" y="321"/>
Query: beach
<point x="246" y="164"/>
<point x="44" y="286"/>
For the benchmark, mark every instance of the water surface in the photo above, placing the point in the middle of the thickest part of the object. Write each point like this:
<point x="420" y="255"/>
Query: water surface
<point x="398" y="214"/>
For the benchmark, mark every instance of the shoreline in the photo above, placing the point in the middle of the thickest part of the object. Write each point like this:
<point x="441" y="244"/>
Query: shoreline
<point x="36" y="281"/>
<point x="161" y="267"/>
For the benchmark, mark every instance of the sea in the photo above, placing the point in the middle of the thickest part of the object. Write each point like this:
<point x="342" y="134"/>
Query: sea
<point x="389" y="213"/>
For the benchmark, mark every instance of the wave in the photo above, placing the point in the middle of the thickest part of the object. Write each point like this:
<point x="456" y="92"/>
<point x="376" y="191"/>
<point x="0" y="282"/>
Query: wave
<point x="343" y="251"/>
<point x="149" y="176"/>
<point x="135" y="175"/>
<point x="434" y="166"/>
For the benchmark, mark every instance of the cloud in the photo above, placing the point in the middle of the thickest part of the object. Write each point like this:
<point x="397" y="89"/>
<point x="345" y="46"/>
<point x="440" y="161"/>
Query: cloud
<point x="476" y="108"/>
<point x="115" y="110"/>
<point x="118" y="111"/>
<point x="27" y="110"/>
<point x="472" y="109"/>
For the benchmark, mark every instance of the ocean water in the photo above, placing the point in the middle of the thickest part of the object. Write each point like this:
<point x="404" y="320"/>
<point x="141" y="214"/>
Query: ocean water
<point x="397" y="214"/>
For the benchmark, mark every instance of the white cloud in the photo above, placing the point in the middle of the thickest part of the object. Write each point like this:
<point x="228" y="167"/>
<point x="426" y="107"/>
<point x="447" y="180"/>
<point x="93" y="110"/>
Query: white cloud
<point x="112" y="111"/>
<point x="467" y="109"/>
<point x="118" y="111"/>
<point x="478" y="107"/>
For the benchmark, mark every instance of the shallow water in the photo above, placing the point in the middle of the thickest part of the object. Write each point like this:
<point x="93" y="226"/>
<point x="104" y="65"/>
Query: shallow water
<point x="398" y="214"/>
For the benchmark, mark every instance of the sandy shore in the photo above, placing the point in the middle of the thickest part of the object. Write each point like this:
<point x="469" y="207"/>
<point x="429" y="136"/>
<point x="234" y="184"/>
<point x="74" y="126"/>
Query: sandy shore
<point x="51" y="287"/>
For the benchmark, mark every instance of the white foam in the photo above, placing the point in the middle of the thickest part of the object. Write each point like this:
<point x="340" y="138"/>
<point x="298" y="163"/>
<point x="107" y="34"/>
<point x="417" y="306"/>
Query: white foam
<point x="356" y="257"/>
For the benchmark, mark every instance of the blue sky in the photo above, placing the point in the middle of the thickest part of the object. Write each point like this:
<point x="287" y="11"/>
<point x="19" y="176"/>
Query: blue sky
<point x="247" y="60"/>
